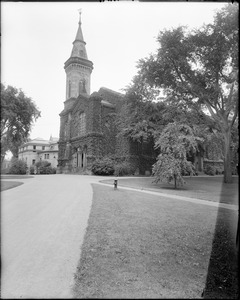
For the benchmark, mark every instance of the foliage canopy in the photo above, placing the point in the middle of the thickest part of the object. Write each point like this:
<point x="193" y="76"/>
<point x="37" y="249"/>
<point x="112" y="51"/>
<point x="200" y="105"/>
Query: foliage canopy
<point x="175" y="142"/>
<point x="18" y="112"/>
<point x="197" y="70"/>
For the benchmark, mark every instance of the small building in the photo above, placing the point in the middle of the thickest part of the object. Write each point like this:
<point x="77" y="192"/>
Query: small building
<point x="39" y="149"/>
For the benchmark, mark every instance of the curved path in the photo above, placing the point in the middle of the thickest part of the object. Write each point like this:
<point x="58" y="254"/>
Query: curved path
<point x="43" y="223"/>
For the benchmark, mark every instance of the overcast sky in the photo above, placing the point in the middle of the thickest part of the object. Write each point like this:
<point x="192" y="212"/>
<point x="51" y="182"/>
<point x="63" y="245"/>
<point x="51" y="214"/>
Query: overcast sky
<point x="37" y="39"/>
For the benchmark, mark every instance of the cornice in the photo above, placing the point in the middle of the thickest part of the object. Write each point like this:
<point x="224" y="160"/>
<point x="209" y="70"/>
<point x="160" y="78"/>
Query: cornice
<point x="79" y="61"/>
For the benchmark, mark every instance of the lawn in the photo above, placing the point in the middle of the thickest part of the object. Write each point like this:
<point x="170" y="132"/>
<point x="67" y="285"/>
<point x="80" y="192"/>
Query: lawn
<point x="16" y="176"/>
<point x="145" y="246"/>
<point x="6" y="185"/>
<point x="209" y="188"/>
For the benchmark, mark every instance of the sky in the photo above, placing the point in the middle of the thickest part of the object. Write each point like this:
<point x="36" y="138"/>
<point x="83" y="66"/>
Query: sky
<point x="37" y="39"/>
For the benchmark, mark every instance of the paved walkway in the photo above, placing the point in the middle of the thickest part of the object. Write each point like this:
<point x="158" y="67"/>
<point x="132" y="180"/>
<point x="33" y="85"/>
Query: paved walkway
<point x="43" y="224"/>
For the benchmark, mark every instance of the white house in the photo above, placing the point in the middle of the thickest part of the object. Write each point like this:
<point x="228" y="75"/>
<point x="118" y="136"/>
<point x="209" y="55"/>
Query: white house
<point x="39" y="149"/>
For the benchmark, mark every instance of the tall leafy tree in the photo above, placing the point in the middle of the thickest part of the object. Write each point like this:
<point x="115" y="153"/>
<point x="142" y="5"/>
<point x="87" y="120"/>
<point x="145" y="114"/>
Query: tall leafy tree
<point x="174" y="143"/>
<point x="18" y="112"/>
<point x="138" y="120"/>
<point x="199" y="69"/>
<point x="147" y="112"/>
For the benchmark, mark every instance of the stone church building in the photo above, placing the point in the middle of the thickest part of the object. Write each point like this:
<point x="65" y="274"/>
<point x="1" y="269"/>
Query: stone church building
<point x="87" y="122"/>
<point x="87" y="128"/>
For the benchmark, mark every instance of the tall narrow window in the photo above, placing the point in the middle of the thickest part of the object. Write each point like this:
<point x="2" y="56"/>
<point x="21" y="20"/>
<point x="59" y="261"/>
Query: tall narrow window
<point x="84" y="86"/>
<point x="79" y="87"/>
<point x="82" y="124"/>
<point x="69" y="89"/>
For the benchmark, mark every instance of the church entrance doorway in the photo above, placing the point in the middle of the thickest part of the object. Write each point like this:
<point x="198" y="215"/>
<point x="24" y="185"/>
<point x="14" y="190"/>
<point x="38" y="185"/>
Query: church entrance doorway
<point x="81" y="158"/>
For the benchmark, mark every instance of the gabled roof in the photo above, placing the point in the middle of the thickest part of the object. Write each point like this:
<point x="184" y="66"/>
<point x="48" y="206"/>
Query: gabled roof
<point x="108" y="91"/>
<point x="111" y="97"/>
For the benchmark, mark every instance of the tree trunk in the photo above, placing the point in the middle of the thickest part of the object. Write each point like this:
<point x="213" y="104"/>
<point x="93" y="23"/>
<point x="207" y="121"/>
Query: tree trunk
<point x="175" y="181"/>
<point x="227" y="157"/>
<point x="2" y="158"/>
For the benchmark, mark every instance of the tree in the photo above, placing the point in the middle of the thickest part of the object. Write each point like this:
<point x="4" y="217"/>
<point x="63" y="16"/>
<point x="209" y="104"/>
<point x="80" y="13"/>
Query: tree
<point x="18" y="113"/>
<point x="17" y="166"/>
<point x="140" y="119"/>
<point x="200" y="69"/>
<point x="174" y="143"/>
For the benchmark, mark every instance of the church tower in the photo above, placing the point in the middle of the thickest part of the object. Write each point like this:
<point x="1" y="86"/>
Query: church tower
<point x="78" y="68"/>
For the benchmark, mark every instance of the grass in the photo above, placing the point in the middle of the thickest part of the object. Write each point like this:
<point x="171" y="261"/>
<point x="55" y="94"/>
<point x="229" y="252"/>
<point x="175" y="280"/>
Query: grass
<point x="16" y="176"/>
<point x="143" y="246"/>
<point x="6" y="185"/>
<point x="209" y="188"/>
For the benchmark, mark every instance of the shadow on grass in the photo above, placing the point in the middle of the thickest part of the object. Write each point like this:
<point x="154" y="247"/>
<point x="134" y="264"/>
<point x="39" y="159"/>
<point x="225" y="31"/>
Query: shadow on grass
<point x="222" y="276"/>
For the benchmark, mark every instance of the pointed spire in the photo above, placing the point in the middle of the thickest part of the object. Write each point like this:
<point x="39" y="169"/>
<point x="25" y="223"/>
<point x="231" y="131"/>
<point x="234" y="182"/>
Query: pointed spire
<point x="80" y="12"/>
<point x="79" y="36"/>
<point x="79" y="49"/>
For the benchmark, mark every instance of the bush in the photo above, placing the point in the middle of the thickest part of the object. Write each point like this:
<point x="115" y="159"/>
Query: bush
<point x="31" y="170"/>
<point x="210" y="170"/>
<point x="189" y="170"/>
<point x="44" y="167"/>
<point x="104" y="166"/>
<point x="18" y="167"/>
<point x="43" y="163"/>
<point x="123" y="168"/>
<point x="219" y="171"/>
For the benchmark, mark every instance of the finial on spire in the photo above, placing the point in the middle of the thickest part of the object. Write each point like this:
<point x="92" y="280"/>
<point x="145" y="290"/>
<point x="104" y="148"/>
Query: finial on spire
<point x="80" y="12"/>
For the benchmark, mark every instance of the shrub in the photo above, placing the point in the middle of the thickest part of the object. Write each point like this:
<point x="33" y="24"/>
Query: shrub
<point x="43" y="163"/>
<point x="210" y="170"/>
<point x="189" y="170"/>
<point x="104" y="166"/>
<point x="123" y="168"/>
<point x="31" y="170"/>
<point x="44" y="167"/>
<point x="18" y="167"/>
<point x="219" y="171"/>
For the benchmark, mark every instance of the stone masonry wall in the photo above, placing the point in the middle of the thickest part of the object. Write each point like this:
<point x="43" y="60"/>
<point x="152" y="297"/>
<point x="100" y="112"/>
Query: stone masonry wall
<point x="109" y="130"/>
